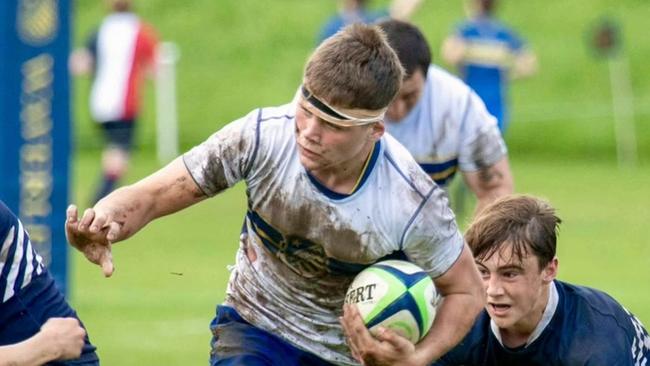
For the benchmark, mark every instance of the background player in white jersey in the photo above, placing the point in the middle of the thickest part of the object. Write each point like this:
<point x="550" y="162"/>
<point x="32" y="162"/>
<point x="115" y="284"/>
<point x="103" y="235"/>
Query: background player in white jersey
<point x="328" y="194"/>
<point x="443" y="123"/>
<point x="120" y="53"/>
<point x="531" y="318"/>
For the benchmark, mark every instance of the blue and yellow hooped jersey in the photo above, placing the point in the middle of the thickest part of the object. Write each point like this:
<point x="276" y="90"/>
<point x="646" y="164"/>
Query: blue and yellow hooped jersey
<point x="491" y="48"/>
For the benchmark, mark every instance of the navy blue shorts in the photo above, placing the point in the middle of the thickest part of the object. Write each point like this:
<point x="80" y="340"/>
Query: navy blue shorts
<point x="23" y="315"/>
<point x="236" y="342"/>
<point x="119" y="133"/>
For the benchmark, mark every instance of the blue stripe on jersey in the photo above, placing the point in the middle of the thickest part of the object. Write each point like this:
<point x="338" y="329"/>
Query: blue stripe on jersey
<point x="410" y="182"/>
<point x="257" y="135"/>
<point x="443" y="172"/>
<point x="294" y="248"/>
<point x="257" y="142"/>
<point x="368" y="168"/>
<point x="417" y="212"/>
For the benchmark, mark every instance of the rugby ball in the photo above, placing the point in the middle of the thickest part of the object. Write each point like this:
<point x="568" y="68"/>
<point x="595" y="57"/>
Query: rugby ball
<point x="395" y="294"/>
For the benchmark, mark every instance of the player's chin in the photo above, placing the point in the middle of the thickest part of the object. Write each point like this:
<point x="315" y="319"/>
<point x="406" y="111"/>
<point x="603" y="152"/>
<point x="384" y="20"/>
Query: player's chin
<point x="310" y="163"/>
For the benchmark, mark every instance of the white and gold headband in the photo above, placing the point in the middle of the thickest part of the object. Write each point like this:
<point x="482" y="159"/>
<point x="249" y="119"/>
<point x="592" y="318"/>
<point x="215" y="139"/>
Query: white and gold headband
<point x="346" y="117"/>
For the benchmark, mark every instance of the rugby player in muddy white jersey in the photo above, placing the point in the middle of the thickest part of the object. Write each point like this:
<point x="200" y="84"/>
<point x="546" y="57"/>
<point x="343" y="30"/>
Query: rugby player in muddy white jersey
<point x="443" y="123"/>
<point x="328" y="195"/>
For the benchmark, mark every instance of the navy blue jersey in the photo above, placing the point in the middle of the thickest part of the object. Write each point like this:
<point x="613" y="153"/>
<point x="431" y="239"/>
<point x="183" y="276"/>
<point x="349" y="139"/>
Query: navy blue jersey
<point x="28" y="295"/>
<point x="588" y="328"/>
<point x="19" y="263"/>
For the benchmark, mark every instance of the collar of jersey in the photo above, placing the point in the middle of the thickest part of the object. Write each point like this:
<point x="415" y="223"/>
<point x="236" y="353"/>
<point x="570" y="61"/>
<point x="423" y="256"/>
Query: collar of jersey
<point x="365" y="173"/>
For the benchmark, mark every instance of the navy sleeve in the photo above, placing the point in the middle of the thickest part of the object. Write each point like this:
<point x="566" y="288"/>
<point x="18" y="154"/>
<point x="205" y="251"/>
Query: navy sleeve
<point x="7" y="221"/>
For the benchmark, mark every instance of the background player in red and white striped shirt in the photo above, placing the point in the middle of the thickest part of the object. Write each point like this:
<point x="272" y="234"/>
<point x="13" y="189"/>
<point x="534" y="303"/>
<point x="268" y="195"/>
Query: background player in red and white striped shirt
<point x="120" y="53"/>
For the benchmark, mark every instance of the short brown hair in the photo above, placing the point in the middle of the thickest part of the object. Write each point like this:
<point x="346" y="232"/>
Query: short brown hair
<point x="527" y="223"/>
<point x="355" y="68"/>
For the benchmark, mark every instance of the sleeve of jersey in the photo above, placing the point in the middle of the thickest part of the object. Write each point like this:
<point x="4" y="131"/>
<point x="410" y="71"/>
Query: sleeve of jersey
<point x="224" y="158"/>
<point x="619" y="342"/>
<point x="7" y="221"/>
<point x="516" y="43"/>
<point x="432" y="239"/>
<point x="481" y="143"/>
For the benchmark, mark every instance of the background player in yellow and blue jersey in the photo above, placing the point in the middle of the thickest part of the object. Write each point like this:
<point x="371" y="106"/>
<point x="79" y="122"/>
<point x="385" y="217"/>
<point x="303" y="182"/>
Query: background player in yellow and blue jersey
<point x="488" y="54"/>
<point x="531" y="318"/>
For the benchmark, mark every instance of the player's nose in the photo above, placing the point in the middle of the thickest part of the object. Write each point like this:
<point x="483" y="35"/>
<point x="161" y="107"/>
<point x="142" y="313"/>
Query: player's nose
<point x="312" y="129"/>
<point x="493" y="287"/>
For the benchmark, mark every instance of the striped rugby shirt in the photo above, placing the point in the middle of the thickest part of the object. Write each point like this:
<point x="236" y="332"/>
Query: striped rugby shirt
<point x="19" y="263"/>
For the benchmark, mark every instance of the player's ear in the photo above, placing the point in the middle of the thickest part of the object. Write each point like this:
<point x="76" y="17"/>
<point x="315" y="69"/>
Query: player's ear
<point x="378" y="130"/>
<point x="549" y="273"/>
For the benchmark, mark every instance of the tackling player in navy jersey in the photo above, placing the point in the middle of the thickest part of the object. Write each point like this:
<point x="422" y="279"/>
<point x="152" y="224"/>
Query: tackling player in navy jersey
<point x="31" y="331"/>
<point x="531" y="318"/>
<point x="328" y="195"/>
<point x="443" y="123"/>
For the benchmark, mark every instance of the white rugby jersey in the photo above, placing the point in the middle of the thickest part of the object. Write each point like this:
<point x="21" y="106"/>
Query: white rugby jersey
<point x="310" y="241"/>
<point x="449" y="128"/>
<point x="19" y="263"/>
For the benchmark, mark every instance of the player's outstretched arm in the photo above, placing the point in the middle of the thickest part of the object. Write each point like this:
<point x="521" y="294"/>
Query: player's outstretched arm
<point x="490" y="183"/>
<point x="125" y="211"/>
<point x="58" y="339"/>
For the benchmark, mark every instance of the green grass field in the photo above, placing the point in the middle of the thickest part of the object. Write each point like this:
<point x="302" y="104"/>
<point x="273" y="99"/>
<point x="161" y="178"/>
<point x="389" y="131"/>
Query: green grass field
<point x="238" y="55"/>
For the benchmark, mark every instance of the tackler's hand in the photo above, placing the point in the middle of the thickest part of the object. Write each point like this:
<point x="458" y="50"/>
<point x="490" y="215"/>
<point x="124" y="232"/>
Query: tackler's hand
<point x="93" y="235"/>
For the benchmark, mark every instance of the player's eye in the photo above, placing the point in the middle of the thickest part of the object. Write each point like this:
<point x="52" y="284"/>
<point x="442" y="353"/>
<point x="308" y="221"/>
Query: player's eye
<point x="332" y="126"/>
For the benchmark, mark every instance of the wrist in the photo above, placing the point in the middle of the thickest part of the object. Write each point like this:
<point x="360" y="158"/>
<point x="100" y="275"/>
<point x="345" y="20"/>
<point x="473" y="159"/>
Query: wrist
<point x="42" y="349"/>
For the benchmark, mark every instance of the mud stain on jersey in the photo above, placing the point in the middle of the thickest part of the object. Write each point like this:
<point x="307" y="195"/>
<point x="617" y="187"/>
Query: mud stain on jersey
<point x="214" y="174"/>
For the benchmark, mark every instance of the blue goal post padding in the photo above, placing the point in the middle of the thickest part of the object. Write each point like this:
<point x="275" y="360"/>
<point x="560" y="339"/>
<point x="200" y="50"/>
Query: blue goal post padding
<point x="35" y="122"/>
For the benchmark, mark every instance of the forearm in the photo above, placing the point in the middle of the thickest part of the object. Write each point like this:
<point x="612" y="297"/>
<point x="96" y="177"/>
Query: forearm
<point x="454" y="317"/>
<point x="490" y="183"/>
<point x="164" y="192"/>
<point x="30" y="352"/>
